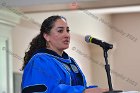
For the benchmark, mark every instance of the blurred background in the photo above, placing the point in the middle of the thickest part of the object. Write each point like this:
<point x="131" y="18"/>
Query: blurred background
<point x="113" y="21"/>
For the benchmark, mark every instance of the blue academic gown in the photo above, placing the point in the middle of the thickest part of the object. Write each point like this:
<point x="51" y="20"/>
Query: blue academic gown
<point x="46" y="73"/>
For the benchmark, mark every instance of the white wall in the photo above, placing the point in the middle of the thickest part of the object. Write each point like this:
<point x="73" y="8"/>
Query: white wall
<point x="22" y="35"/>
<point x="8" y="21"/>
<point x="6" y="65"/>
<point x="126" y="54"/>
<point x="80" y="25"/>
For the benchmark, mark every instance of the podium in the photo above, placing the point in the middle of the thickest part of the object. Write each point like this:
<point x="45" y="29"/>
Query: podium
<point x="131" y="92"/>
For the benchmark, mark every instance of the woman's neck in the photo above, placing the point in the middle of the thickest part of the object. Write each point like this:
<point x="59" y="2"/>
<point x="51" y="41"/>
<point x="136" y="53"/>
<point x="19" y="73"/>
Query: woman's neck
<point x="59" y="52"/>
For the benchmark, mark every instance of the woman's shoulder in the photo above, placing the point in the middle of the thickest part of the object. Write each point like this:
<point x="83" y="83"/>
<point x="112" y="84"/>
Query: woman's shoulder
<point x="40" y="59"/>
<point x="41" y="56"/>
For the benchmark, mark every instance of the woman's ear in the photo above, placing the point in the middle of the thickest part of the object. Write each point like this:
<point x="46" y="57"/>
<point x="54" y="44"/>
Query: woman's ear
<point x="46" y="36"/>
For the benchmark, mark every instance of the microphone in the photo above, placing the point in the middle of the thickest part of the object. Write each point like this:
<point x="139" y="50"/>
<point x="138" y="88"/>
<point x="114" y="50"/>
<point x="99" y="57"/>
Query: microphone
<point x="103" y="44"/>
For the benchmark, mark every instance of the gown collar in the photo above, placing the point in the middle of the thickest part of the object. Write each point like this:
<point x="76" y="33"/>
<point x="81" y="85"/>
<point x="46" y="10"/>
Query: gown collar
<point x="64" y="58"/>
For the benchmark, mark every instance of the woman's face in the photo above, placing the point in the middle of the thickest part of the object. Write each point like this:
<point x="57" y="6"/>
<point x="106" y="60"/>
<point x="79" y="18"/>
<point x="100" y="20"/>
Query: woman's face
<point x="59" y="37"/>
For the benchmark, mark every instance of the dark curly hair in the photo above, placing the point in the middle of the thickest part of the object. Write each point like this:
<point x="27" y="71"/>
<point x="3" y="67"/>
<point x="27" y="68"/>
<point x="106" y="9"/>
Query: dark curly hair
<point x="39" y="41"/>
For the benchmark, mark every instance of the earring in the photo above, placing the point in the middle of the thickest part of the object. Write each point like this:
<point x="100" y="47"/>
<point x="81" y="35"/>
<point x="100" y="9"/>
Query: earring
<point x="47" y="44"/>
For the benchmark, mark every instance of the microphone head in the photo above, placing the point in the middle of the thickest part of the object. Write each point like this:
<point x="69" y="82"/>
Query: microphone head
<point x="87" y="38"/>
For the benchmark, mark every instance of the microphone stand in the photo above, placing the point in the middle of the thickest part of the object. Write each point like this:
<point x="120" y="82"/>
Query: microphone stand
<point x="106" y="47"/>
